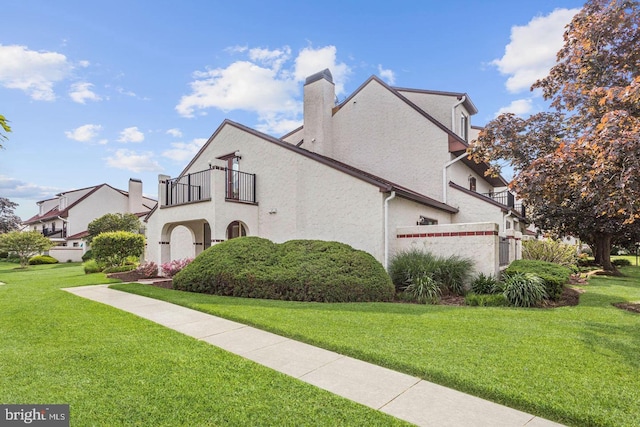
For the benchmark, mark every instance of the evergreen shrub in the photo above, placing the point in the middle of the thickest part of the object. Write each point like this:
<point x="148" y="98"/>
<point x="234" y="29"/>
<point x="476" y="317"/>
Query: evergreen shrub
<point x="298" y="270"/>
<point x="42" y="259"/>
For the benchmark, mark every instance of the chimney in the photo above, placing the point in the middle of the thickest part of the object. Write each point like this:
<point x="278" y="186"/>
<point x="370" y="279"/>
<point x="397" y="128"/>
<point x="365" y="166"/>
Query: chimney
<point x="135" y="196"/>
<point x="319" y="100"/>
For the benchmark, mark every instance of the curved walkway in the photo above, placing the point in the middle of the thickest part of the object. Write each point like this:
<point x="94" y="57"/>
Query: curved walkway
<point x="403" y="396"/>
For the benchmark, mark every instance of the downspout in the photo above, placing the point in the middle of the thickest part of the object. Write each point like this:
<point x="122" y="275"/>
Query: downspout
<point x="386" y="229"/>
<point x="444" y="175"/>
<point x="453" y="113"/>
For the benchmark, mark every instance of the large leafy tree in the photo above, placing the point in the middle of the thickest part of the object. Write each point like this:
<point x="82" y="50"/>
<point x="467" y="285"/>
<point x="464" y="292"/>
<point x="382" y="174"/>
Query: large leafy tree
<point x="112" y="222"/>
<point x="24" y="244"/>
<point x="5" y="127"/>
<point x="9" y="221"/>
<point x="578" y="165"/>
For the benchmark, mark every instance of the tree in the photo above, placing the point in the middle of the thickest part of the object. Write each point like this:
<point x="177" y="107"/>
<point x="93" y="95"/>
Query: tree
<point x="8" y="220"/>
<point x="114" y="247"/>
<point x="112" y="222"/>
<point x="24" y="244"/>
<point x="578" y="165"/>
<point x="5" y="127"/>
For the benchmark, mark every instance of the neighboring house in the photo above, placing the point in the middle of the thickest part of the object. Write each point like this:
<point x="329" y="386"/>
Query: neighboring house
<point x="64" y="219"/>
<point x="382" y="171"/>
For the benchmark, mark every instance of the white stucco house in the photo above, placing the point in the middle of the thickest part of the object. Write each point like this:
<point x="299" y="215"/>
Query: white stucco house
<point x="64" y="218"/>
<point x="382" y="171"/>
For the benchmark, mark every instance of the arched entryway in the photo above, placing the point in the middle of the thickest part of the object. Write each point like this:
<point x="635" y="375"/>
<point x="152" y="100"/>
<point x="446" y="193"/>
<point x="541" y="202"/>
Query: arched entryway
<point x="185" y="239"/>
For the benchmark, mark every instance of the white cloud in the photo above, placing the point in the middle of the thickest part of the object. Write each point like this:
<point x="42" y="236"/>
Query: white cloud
<point x="32" y="72"/>
<point x="518" y="107"/>
<point x="14" y="188"/>
<point x="387" y="75"/>
<point x="84" y="133"/>
<point x="131" y="134"/>
<point x="80" y="92"/>
<point x="133" y="161"/>
<point x="268" y="84"/>
<point x="182" y="151"/>
<point x="175" y="132"/>
<point x="533" y="48"/>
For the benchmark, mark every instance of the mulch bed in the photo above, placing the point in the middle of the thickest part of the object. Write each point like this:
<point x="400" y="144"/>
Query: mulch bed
<point x="629" y="306"/>
<point x="570" y="296"/>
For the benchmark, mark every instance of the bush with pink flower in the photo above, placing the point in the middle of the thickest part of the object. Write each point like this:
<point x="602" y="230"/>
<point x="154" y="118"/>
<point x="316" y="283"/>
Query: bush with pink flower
<point x="172" y="268"/>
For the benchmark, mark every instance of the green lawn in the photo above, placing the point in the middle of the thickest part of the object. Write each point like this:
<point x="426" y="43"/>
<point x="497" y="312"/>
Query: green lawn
<point x="576" y="365"/>
<point x="115" y="369"/>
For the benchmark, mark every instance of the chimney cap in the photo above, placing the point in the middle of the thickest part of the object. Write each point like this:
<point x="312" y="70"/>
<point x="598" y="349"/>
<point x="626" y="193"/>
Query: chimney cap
<point x="324" y="74"/>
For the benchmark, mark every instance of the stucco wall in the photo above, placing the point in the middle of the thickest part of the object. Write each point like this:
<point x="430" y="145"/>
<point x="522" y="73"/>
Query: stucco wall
<point x="473" y="209"/>
<point x="379" y="133"/>
<point x="475" y="241"/>
<point x="104" y="200"/>
<point x="439" y="106"/>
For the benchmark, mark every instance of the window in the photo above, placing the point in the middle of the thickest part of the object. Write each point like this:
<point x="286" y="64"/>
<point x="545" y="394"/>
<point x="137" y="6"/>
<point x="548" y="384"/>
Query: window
<point x="464" y="127"/>
<point x="427" y="221"/>
<point x="236" y="229"/>
<point x="472" y="183"/>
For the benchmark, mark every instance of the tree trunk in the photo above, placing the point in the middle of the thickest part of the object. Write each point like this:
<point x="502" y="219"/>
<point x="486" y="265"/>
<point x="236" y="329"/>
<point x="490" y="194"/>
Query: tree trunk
<point x="603" y="245"/>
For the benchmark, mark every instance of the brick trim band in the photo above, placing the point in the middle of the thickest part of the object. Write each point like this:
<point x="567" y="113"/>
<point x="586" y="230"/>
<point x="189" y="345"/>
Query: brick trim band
<point x="448" y="234"/>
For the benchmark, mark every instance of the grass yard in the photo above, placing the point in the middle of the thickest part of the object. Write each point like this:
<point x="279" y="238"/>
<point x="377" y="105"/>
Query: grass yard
<point x="115" y="369"/>
<point x="577" y="365"/>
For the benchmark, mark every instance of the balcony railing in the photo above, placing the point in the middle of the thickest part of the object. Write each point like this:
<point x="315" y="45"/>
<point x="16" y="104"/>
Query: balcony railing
<point x="193" y="187"/>
<point x="196" y="187"/>
<point x="241" y="186"/>
<point x="54" y="232"/>
<point x="507" y="199"/>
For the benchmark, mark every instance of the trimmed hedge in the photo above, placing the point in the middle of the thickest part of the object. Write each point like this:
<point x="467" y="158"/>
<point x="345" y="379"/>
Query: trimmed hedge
<point x="114" y="247"/>
<point x="555" y="276"/>
<point x="42" y="259"/>
<point x="298" y="270"/>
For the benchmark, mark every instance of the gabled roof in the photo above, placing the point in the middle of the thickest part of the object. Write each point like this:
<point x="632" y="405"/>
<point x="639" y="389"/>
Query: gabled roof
<point x="383" y="184"/>
<point x="457" y="145"/>
<point x="468" y="104"/>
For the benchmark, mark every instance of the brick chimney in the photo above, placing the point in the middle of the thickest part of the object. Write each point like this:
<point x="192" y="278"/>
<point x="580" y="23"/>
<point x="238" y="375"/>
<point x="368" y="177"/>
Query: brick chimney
<point x="319" y="100"/>
<point x="135" y="196"/>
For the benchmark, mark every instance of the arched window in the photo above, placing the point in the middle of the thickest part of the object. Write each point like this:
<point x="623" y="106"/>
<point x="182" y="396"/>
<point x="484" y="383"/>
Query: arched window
<point x="236" y="229"/>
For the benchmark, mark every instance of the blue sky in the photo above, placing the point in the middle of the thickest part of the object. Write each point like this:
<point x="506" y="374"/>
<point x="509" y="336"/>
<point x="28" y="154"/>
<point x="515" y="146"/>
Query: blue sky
<point x="103" y="91"/>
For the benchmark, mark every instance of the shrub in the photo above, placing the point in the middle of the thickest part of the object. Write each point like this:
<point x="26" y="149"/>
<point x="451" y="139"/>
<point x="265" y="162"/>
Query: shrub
<point x="4" y="254"/>
<point x="87" y="255"/>
<point x="298" y="270"/>
<point x="484" y="284"/>
<point x="621" y="262"/>
<point x="147" y="269"/>
<point x="450" y="274"/>
<point x="91" y="266"/>
<point x="409" y="263"/>
<point x="554" y="276"/>
<point x="485" y="300"/>
<point x="42" y="259"/>
<point x="523" y="289"/>
<point x="119" y="268"/>
<point x="551" y="251"/>
<point x="115" y="247"/>
<point x="172" y="268"/>
<point x="423" y="288"/>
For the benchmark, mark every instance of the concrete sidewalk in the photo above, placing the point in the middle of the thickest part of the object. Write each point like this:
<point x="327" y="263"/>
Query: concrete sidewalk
<point x="403" y="396"/>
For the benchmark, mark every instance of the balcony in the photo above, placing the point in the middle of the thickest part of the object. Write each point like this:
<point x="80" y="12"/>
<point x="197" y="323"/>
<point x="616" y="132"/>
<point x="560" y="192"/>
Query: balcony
<point x="197" y="187"/>
<point x="507" y="199"/>
<point x="53" y="233"/>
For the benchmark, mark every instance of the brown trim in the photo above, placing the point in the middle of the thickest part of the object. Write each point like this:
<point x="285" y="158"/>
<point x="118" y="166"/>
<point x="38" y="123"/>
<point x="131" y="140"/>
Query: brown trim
<point x="486" y="199"/>
<point x="468" y="104"/>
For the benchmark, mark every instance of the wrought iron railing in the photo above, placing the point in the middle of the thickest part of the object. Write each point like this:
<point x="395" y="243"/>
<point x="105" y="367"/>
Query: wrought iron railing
<point x="503" y="251"/>
<point x="241" y="186"/>
<point x="507" y="199"/>
<point x="189" y="188"/>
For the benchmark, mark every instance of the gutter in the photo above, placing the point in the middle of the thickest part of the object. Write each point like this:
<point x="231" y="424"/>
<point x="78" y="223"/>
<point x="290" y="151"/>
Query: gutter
<point x="386" y="229"/>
